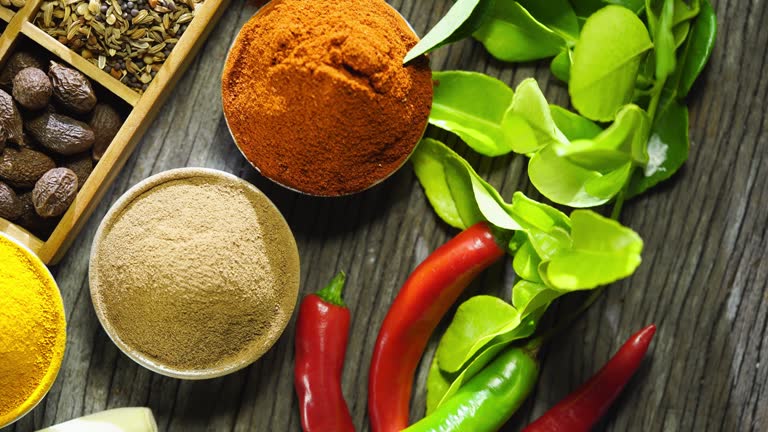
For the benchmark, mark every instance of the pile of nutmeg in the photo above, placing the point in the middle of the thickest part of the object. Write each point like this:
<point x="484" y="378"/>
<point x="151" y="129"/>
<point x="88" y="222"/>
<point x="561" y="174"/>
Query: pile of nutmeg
<point x="52" y="132"/>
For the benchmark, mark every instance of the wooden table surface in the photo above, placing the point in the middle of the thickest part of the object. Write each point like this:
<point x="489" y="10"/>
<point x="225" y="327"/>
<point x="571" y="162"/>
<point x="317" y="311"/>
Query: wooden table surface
<point x="703" y="281"/>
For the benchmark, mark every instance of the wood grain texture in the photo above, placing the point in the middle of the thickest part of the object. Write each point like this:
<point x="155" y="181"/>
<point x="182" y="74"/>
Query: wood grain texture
<point x="704" y="279"/>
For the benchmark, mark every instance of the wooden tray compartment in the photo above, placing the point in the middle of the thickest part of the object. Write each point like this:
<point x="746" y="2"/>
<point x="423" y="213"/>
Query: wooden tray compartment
<point x="142" y="110"/>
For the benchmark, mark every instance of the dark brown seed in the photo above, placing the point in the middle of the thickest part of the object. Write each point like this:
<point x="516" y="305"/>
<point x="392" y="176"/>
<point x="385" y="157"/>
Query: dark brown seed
<point x="15" y="63"/>
<point x="11" y="127"/>
<point x="23" y="167"/>
<point x="54" y="192"/>
<point x="61" y="134"/>
<point x="105" y="122"/>
<point x="71" y="88"/>
<point x="81" y="165"/>
<point x="10" y="206"/>
<point x="31" y="221"/>
<point x="32" y="88"/>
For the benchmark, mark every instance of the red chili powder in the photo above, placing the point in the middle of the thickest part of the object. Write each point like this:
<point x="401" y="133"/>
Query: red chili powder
<point x="317" y="97"/>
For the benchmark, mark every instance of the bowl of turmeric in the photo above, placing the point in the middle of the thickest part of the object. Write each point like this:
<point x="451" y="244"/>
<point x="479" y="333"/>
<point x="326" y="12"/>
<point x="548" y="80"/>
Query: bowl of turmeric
<point x="317" y="98"/>
<point x="32" y="330"/>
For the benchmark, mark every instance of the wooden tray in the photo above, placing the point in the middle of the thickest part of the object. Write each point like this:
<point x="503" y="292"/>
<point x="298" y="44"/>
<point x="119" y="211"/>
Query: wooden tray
<point x="144" y="108"/>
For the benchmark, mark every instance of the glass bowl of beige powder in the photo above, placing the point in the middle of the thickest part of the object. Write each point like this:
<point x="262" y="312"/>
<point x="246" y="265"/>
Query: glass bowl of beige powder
<point x="194" y="273"/>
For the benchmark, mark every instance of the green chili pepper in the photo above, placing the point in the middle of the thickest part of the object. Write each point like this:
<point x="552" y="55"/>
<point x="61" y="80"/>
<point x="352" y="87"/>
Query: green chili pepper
<point x="489" y="399"/>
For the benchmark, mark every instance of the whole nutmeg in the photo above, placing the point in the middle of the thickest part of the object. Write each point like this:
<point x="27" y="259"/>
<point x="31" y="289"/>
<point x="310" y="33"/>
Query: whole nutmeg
<point x="71" y="88"/>
<point x="11" y="127"/>
<point x="61" y="134"/>
<point x="32" y="88"/>
<point x="10" y="205"/>
<point x="33" y="222"/>
<point x="81" y="164"/>
<point x="105" y="122"/>
<point x="23" y="167"/>
<point x="18" y="61"/>
<point x="54" y="192"/>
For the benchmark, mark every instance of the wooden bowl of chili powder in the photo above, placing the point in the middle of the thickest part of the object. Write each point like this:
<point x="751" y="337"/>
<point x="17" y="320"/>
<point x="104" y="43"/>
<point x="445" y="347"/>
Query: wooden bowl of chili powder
<point x="317" y="98"/>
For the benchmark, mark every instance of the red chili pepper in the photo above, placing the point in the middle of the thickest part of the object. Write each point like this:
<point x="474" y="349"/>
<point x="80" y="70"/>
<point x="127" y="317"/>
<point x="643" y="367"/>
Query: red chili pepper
<point x="580" y="410"/>
<point x="321" y="343"/>
<point x="426" y="296"/>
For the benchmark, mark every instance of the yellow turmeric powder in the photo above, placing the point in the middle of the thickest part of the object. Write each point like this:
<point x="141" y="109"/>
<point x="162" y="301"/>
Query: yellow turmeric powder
<point x="32" y="330"/>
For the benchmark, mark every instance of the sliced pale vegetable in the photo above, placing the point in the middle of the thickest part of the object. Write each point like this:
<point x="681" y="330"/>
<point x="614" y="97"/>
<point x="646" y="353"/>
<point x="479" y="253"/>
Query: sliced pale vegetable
<point x="114" y="420"/>
<point x="604" y="65"/>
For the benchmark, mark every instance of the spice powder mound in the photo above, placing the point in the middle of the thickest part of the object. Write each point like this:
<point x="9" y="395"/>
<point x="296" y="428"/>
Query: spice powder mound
<point x="317" y="97"/>
<point x="196" y="274"/>
<point x="32" y="331"/>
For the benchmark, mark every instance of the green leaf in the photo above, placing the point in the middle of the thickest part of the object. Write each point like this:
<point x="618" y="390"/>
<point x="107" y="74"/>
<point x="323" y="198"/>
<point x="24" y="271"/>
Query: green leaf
<point x="462" y="19"/>
<point x="585" y="8"/>
<point x="566" y="183"/>
<point x="452" y="198"/>
<point x="528" y="297"/>
<point x="438" y="384"/>
<point x="530" y="117"/>
<point x="667" y="148"/>
<point x="473" y="198"/>
<point x="457" y="108"/>
<point x="685" y="12"/>
<point x="635" y="6"/>
<point x="510" y="33"/>
<point x="572" y="125"/>
<point x="477" y="321"/>
<point x="612" y="251"/>
<point x="699" y="47"/>
<point x="484" y="320"/>
<point x="532" y="214"/>
<point x="681" y="33"/>
<point x="663" y="38"/>
<point x="526" y="262"/>
<point x="557" y="15"/>
<point x="439" y="390"/>
<point x="623" y="141"/>
<point x="561" y="65"/>
<point x="604" y="65"/>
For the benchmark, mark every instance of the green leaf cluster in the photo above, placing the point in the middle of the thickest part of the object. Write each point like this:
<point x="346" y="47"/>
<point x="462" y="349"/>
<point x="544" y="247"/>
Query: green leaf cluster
<point x="628" y="72"/>
<point x="629" y="65"/>
<point x="554" y="254"/>
<point x="574" y="161"/>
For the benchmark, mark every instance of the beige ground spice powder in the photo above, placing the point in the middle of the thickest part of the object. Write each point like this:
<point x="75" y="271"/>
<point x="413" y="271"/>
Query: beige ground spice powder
<point x="196" y="273"/>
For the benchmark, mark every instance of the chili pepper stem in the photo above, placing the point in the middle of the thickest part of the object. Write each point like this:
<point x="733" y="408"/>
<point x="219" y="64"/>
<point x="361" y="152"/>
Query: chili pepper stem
<point x="333" y="291"/>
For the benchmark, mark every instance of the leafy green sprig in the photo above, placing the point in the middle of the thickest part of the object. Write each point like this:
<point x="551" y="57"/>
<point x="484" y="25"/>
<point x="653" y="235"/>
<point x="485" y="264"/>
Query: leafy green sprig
<point x="629" y="65"/>
<point x="550" y="251"/>
<point x="618" y="70"/>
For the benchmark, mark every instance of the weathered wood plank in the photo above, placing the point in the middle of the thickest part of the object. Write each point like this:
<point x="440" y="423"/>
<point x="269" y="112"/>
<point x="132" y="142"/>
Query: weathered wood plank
<point x="704" y="279"/>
